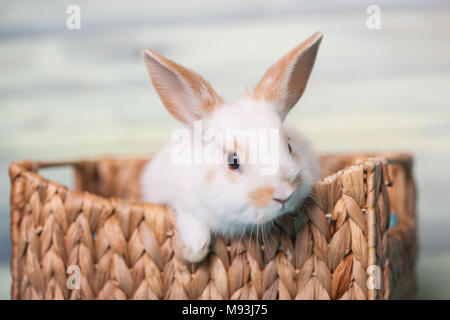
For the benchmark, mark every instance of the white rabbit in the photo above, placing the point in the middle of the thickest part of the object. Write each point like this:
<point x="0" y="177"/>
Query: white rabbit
<point x="232" y="196"/>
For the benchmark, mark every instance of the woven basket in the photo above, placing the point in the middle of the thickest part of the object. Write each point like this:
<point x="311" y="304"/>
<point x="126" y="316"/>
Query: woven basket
<point x="339" y="246"/>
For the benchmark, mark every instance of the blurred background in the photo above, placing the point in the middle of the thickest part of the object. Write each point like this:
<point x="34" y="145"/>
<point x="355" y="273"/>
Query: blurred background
<point x="82" y="93"/>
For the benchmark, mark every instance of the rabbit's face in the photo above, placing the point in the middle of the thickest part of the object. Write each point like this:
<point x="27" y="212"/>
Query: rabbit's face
<point x="256" y="174"/>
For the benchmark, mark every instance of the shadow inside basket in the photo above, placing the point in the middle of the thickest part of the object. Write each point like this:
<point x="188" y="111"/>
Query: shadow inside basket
<point x="354" y="239"/>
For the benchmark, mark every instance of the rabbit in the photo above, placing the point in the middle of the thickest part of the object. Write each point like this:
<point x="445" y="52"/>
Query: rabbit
<point x="232" y="196"/>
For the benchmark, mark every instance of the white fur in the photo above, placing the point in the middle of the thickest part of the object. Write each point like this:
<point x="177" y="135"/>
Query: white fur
<point x="224" y="207"/>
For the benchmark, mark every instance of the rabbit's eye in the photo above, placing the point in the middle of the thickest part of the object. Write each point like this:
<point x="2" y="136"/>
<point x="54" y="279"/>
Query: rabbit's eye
<point x="289" y="147"/>
<point x="233" y="161"/>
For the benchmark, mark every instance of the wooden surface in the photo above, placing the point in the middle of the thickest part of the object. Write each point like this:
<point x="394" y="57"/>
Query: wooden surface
<point x="83" y="93"/>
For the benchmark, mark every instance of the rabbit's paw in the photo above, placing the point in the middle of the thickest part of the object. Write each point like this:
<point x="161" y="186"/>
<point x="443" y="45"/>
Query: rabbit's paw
<point x="195" y="238"/>
<point x="194" y="256"/>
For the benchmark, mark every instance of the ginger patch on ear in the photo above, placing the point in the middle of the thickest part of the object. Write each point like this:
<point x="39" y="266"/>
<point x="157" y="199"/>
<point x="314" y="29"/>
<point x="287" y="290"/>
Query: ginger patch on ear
<point x="262" y="197"/>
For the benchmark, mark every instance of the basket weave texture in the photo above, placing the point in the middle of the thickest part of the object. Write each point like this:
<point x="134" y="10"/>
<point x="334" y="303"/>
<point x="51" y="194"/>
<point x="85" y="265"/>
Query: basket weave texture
<point x="339" y="246"/>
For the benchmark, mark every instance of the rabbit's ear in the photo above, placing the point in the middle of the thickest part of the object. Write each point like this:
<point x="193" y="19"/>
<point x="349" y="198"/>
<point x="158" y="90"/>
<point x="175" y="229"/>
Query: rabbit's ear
<point x="186" y="95"/>
<point x="284" y="82"/>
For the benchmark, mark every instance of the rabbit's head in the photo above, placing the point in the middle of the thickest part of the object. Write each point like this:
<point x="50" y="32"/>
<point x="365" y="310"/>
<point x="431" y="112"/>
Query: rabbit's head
<point x="245" y="166"/>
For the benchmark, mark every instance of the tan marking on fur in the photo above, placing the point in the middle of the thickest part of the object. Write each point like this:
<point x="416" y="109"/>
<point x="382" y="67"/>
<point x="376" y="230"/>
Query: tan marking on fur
<point x="300" y="60"/>
<point x="297" y="181"/>
<point x="209" y="176"/>
<point x="262" y="197"/>
<point x="294" y="183"/>
<point x="208" y="97"/>
<point x="296" y="156"/>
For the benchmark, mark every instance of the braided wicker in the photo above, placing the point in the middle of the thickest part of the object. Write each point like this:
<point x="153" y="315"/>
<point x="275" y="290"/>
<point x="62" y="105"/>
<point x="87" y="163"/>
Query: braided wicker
<point x="331" y="249"/>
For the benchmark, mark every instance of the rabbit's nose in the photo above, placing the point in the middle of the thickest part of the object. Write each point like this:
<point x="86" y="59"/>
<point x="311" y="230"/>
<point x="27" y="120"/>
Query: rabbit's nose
<point x="282" y="201"/>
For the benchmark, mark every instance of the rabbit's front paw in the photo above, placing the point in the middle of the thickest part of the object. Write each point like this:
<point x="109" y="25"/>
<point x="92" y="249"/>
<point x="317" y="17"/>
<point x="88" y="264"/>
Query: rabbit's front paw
<point x="195" y="238"/>
<point x="192" y="255"/>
